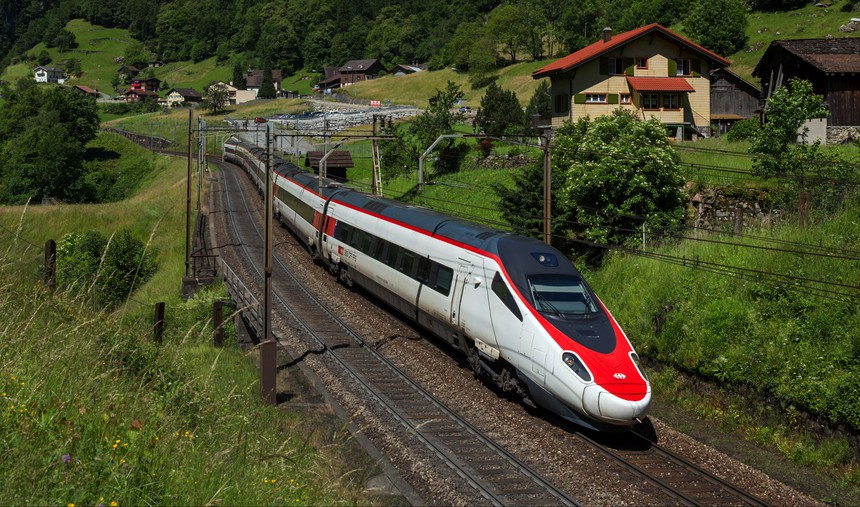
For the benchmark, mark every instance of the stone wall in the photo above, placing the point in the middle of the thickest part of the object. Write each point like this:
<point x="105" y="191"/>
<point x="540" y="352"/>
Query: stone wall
<point x="841" y="135"/>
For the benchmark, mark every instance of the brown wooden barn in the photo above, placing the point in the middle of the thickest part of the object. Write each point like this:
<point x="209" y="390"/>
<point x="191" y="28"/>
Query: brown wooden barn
<point x="831" y="65"/>
<point x="732" y="98"/>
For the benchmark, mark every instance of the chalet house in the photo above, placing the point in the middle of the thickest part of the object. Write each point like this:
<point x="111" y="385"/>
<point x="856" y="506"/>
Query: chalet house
<point x="86" y="90"/>
<point x="353" y="71"/>
<point x="402" y="70"/>
<point x="732" y="98"/>
<point x="150" y="84"/>
<point x="833" y="68"/>
<point x="254" y="78"/>
<point x="650" y="71"/>
<point x="236" y="96"/>
<point x="128" y="72"/>
<point x="335" y="165"/>
<point x="49" y="75"/>
<point x="178" y="96"/>
<point x="139" y="95"/>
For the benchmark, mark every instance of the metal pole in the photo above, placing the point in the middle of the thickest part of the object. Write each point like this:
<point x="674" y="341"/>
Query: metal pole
<point x="267" y="296"/>
<point x="547" y="192"/>
<point x="188" y="199"/>
<point x="424" y="155"/>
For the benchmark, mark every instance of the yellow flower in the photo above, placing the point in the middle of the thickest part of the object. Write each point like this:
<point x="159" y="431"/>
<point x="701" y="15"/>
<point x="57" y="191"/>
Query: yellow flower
<point x="113" y="503"/>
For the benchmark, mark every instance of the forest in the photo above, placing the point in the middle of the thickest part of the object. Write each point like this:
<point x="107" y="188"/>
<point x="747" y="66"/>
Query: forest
<point x="476" y="35"/>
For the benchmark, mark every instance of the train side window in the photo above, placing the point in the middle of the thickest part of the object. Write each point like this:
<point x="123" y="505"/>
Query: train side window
<point x="501" y="290"/>
<point x="379" y="253"/>
<point x="355" y="239"/>
<point x="342" y="232"/>
<point x="366" y="245"/>
<point x="393" y="252"/>
<point x="423" y="274"/>
<point x="444" y="275"/>
<point x="407" y="261"/>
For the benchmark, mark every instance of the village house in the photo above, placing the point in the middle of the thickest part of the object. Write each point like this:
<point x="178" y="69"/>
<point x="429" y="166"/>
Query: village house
<point x="732" y="99"/>
<point x="179" y="96"/>
<point x="49" y="75"/>
<point x="650" y="71"/>
<point x="151" y="84"/>
<point x="138" y="95"/>
<point x="254" y="78"/>
<point x="833" y="68"/>
<point x="353" y="71"/>
<point x="86" y="90"/>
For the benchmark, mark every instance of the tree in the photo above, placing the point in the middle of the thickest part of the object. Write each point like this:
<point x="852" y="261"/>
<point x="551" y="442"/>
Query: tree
<point x="239" y="77"/>
<point x="787" y="109"/>
<point x="541" y="103"/>
<point x="401" y="154"/>
<point x="522" y="205"/>
<point x="267" y="88"/>
<point x="506" y="24"/>
<point x="620" y="172"/>
<point x="500" y="113"/>
<point x="724" y="37"/>
<point x="217" y="98"/>
<point x="136" y="55"/>
<point x="222" y="53"/>
<point x="393" y="37"/>
<point x="44" y="57"/>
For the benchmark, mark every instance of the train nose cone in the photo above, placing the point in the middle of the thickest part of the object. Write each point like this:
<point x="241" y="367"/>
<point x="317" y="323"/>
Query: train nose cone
<point x="603" y="405"/>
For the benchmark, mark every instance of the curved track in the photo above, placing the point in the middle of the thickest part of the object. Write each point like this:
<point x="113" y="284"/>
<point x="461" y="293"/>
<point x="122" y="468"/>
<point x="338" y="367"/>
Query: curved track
<point x="489" y="470"/>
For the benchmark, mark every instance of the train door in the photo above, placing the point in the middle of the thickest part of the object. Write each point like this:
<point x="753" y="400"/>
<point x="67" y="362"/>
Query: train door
<point x="507" y="318"/>
<point x="473" y="306"/>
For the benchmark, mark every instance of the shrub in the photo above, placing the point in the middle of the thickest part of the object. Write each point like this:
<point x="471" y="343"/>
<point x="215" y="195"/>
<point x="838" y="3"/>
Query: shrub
<point x="743" y="130"/>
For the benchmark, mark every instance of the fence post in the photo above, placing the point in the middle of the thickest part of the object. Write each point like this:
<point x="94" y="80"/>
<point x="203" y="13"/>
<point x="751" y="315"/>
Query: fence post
<point x="51" y="264"/>
<point x="159" y="322"/>
<point x="268" y="369"/>
<point x="217" y="318"/>
<point x="739" y="219"/>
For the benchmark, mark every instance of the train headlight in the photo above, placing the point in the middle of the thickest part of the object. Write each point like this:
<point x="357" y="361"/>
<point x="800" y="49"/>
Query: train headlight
<point x="638" y="364"/>
<point x="574" y="363"/>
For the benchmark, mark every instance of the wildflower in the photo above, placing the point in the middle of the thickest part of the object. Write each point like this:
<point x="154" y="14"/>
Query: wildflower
<point x="67" y="458"/>
<point x="113" y="503"/>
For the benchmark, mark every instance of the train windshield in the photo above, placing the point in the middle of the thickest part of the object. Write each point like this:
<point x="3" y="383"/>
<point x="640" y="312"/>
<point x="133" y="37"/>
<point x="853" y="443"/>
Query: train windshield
<point x="562" y="296"/>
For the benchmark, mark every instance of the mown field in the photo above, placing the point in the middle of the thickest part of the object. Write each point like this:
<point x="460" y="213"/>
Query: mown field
<point x="95" y="413"/>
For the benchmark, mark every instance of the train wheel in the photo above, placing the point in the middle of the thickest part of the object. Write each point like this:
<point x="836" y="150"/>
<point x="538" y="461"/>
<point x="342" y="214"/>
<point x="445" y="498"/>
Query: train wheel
<point x="345" y="277"/>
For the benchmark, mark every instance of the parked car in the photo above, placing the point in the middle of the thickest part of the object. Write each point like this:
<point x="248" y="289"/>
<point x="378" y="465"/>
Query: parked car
<point x="465" y="109"/>
<point x="259" y="120"/>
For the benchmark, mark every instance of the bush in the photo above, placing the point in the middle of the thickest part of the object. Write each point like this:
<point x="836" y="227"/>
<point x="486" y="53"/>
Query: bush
<point x="743" y="130"/>
<point x="109" y="270"/>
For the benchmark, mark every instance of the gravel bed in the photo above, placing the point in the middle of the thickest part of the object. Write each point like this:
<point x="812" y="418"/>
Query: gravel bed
<point x="549" y="448"/>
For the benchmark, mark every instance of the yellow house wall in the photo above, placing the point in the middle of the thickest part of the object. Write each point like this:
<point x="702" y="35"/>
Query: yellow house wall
<point x="695" y="107"/>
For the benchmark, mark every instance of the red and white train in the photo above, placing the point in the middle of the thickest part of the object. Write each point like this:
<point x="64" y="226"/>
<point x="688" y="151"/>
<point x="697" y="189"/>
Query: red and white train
<point x="516" y="307"/>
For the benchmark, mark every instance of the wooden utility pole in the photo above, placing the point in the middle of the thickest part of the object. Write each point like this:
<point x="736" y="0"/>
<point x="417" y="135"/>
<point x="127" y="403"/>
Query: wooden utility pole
<point x="188" y="199"/>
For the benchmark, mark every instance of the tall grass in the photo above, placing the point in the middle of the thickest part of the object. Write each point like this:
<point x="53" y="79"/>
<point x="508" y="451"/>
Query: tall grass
<point x="94" y="412"/>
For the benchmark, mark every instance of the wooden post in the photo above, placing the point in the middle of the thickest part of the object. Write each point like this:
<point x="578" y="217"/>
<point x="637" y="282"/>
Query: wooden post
<point x="268" y="370"/>
<point x="159" y="322"/>
<point x="803" y="209"/>
<point x="51" y="264"/>
<point x="739" y="220"/>
<point x="217" y="319"/>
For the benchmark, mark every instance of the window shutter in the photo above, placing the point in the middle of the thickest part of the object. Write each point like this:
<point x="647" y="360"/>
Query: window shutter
<point x="604" y="66"/>
<point x="697" y="67"/>
<point x="673" y="68"/>
<point x="579" y="98"/>
<point x="629" y="66"/>
<point x="612" y="98"/>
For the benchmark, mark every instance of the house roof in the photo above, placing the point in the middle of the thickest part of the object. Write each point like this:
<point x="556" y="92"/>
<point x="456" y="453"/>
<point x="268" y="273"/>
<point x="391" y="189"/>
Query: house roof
<point x="358" y="65"/>
<point x="339" y="159"/>
<point x="48" y="69"/>
<point x="601" y="47"/>
<point x="254" y="78"/>
<point x="835" y="56"/>
<point x="659" y="84"/>
<point x="731" y="76"/>
<point x="186" y="92"/>
<point x="143" y="79"/>
<point x="86" y="89"/>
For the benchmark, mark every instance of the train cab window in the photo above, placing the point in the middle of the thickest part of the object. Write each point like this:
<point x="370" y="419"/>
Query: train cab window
<point x="442" y="284"/>
<point x="501" y="290"/>
<point x="562" y="296"/>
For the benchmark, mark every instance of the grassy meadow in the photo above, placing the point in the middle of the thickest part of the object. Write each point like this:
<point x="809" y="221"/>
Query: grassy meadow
<point x="94" y="412"/>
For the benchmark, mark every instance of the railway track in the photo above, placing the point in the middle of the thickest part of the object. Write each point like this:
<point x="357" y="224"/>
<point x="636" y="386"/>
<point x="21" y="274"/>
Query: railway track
<point x="665" y="473"/>
<point x="487" y="471"/>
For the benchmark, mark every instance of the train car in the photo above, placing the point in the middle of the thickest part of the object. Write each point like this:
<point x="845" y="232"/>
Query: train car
<point x="517" y="308"/>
